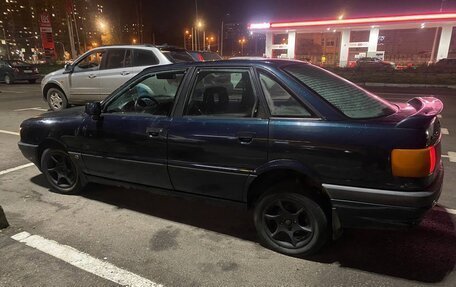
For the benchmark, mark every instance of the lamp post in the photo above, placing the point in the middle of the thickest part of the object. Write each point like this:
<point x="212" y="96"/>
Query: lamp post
<point x="186" y="35"/>
<point x="242" y="42"/>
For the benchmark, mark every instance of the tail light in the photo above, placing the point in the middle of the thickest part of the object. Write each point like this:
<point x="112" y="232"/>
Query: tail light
<point x="200" y="57"/>
<point x="413" y="162"/>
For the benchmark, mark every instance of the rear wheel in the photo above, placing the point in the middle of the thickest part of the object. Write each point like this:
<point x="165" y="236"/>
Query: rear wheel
<point x="290" y="223"/>
<point x="8" y="79"/>
<point x="56" y="99"/>
<point x="61" y="172"/>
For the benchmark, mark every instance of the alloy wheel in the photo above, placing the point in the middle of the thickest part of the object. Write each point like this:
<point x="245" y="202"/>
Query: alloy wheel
<point x="7" y="79"/>
<point x="61" y="170"/>
<point x="56" y="101"/>
<point x="287" y="223"/>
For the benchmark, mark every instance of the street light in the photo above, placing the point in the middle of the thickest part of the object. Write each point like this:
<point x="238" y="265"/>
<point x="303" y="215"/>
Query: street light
<point x="134" y="40"/>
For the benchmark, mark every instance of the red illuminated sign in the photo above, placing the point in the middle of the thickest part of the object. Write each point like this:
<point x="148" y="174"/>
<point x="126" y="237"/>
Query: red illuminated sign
<point x="47" y="39"/>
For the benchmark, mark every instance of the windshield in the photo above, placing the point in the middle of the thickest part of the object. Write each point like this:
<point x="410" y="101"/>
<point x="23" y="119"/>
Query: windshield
<point x="211" y="56"/>
<point x="347" y="97"/>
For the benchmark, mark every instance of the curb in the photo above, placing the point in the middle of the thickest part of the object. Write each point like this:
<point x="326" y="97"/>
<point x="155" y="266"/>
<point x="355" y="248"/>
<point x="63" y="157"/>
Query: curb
<point x="3" y="222"/>
<point x="368" y="84"/>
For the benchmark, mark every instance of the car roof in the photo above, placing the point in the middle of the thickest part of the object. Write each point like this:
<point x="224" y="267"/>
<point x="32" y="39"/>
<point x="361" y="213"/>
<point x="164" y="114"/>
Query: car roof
<point x="234" y="62"/>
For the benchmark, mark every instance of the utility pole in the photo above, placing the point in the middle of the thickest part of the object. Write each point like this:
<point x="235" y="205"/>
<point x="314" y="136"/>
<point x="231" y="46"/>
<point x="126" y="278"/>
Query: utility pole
<point x="7" y="45"/>
<point x="221" y="41"/>
<point x="71" y="36"/>
<point x="196" y="25"/>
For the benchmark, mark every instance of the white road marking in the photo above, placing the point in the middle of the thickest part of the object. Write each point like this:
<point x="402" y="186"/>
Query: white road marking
<point x="83" y="261"/>
<point x="452" y="156"/>
<point x="31" y="109"/>
<point x="16" y="168"/>
<point x="445" y="131"/>
<point x="9" y="133"/>
<point x="447" y="210"/>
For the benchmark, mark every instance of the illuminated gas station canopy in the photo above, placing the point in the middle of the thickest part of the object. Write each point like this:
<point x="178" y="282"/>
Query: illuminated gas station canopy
<point x="443" y="21"/>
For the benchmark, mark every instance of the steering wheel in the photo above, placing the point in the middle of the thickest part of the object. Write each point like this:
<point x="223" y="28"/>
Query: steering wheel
<point x="146" y="104"/>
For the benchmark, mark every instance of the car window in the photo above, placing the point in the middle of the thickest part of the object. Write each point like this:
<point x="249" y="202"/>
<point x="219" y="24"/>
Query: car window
<point x="177" y="56"/>
<point x="128" y="61"/>
<point x="144" y="58"/>
<point x="114" y="59"/>
<point x="222" y="93"/>
<point x="280" y="101"/>
<point x="153" y="95"/>
<point x="91" y="62"/>
<point x="350" y="99"/>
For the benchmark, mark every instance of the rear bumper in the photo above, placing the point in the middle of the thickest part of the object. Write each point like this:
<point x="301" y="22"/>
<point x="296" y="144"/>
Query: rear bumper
<point x="30" y="152"/>
<point x="374" y="208"/>
<point x="23" y="76"/>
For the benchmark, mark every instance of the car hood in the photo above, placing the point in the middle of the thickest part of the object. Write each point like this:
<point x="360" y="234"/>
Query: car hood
<point x="58" y="116"/>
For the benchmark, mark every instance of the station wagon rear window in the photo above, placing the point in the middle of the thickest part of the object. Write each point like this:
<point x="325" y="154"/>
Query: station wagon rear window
<point x="350" y="99"/>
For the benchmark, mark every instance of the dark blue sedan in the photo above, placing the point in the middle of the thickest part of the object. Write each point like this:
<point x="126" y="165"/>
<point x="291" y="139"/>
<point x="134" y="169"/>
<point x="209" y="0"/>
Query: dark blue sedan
<point x="310" y="152"/>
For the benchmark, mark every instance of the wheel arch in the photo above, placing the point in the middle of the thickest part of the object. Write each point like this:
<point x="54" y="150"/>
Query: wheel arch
<point x="50" y="85"/>
<point x="286" y="170"/>
<point x="49" y="143"/>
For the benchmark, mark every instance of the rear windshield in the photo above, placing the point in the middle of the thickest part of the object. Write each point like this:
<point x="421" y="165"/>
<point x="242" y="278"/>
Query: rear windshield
<point x="18" y="63"/>
<point x="178" y="56"/>
<point x="211" y="56"/>
<point x="350" y="99"/>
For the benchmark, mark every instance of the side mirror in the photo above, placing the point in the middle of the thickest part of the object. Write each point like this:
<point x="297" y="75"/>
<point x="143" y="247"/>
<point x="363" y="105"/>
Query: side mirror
<point x="93" y="109"/>
<point x="68" y="68"/>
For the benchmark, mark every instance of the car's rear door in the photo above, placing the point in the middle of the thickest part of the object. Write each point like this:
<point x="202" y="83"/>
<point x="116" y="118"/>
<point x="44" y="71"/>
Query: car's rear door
<point x="115" y="71"/>
<point x="129" y="142"/>
<point x="141" y="59"/>
<point x="218" y="137"/>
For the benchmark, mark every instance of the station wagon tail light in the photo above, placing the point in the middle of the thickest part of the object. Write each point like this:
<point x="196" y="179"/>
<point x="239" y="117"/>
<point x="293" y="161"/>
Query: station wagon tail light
<point x="413" y="162"/>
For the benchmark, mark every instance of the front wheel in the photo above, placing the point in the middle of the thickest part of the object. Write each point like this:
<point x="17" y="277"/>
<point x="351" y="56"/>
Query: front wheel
<point x="61" y="172"/>
<point x="56" y="99"/>
<point x="290" y="223"/>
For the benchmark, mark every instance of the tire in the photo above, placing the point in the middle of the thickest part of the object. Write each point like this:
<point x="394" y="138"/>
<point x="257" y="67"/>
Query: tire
<point x="8" y="79"/>
<point x="290" y="223"/>
<point x="61" y="172"/>
<point x="56" y="99"/>
<point x="33" y="81"/>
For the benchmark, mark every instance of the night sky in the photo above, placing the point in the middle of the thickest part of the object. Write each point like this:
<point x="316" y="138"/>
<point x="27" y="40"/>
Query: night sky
<point x="168" y="18"/>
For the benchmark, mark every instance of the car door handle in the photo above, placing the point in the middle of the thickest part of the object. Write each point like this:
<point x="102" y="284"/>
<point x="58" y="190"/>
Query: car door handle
<point x="124" y="73"/>
<point x="245" y="137"/>
<point x="154" y="132"/>
<point x="91" y="76"/>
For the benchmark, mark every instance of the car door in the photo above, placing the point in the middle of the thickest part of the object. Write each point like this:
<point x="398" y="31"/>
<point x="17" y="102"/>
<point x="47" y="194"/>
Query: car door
<point x="129" y="141"/>
<point x="83" y="82"/>
<point x="217" y="139"/>
<point x="115" y="71"/>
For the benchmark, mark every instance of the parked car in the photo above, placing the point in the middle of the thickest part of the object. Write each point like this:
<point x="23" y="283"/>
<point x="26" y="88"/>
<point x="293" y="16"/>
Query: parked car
<point x="374" y="64"/>
<point x="17" y="70"/>
<point x="97" y="73"/>
<point x="447" y="65"/>
<point x="308" y="151"/>
<point x="175" y="54"/>
<point x="202" y="56"/>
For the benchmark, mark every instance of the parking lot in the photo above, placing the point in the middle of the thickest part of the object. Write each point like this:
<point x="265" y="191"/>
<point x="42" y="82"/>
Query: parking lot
<point x="131" y="237"/>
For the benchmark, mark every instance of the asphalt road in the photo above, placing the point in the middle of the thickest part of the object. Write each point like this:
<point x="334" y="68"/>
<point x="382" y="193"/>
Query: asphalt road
<point x="181" y="242"/>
